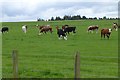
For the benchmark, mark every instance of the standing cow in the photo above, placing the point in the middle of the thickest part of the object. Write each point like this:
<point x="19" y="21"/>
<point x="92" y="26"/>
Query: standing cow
<point x="24" y="28"/>
<point x="115" y="26"/>
<point x="4" y="29"/>
<point x="93" y="28"/>
<point x="68" y="29"/>
<point x="44" y="29"/>
<point x="61" y="33"/>
<point x="106" y="32"/>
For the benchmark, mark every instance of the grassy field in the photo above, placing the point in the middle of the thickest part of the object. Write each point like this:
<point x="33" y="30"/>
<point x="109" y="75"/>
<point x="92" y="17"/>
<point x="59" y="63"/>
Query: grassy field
<point x="47" y="57"/>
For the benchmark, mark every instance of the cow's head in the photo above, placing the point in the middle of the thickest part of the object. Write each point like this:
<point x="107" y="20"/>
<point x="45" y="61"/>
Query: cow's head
<point x="110" y="30"/>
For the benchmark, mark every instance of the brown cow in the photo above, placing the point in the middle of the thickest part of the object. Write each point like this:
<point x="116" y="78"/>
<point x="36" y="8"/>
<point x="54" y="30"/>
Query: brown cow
<point x="44" y="29"/>
<point x="93" y="28"/>
<point x="106" y="32"/>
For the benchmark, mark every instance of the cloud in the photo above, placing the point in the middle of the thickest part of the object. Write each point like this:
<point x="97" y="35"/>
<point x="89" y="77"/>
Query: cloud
<point x="23" y="10"/>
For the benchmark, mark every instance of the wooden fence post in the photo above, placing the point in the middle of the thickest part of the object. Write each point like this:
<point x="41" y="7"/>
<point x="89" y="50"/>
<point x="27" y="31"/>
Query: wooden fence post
<point x="15" y="64"/>
<point x="77" y="66"/>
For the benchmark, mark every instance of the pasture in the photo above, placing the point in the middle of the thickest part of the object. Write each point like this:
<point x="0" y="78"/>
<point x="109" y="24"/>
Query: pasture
<point x="46" y="56"/>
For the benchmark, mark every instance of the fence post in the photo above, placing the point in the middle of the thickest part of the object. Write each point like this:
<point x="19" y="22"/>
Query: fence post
<point x="15" y="64"/>
<point x="77" y="66"/>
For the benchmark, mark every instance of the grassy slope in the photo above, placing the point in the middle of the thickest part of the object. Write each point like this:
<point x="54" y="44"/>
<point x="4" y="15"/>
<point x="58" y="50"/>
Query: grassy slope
<point x="46" y="56"/>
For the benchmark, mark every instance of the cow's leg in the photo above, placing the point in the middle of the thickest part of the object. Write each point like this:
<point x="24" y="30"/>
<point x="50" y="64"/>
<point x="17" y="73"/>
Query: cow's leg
<point x="74" y="32"/>
<point x="90" y="31"/>
<point x="108" y="36"/>
<point x="101" y="35"/>
<point x="87" y="31"/>
<point x="40" y="32"/>
<point x="116" y="29"/>
<point x="51" y="30"/>
<point x="65" y="38"/>
<point x="45" y="32"/>
<point x="68" y="32"/>
<point x="59" y="37"/>
<point x="104" y="35"/>
<point x="97" y="31"/>
<point x="25" y="31"/>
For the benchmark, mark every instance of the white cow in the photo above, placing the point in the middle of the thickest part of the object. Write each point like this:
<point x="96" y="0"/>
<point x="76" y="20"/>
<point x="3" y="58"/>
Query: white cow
<point x="24" y="28"/>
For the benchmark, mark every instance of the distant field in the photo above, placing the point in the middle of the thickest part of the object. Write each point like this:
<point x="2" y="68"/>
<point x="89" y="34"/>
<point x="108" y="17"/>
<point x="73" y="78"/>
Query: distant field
<point x="47" y="57"/>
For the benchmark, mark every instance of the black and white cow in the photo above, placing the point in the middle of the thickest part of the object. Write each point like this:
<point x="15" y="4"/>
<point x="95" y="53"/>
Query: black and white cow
<point x="4" y="29"/>
<point x="115" y="26"/>
<point x="61" y="33"/>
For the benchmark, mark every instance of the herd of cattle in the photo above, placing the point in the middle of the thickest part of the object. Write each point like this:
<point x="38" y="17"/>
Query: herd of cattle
<point x="66" y="29"/>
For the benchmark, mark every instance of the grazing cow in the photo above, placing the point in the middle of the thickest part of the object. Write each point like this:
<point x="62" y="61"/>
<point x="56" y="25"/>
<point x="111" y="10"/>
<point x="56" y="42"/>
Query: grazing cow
<point x="24" y="28"/>
<point x="44" y="29"/>
<point x="106" y="32"/>
<point x="68" y="29"/>
<point x="93" y="28"/>
<point x="61" y="33"/>
<point x="4" y="29"/>
<point x="115" y="26"/>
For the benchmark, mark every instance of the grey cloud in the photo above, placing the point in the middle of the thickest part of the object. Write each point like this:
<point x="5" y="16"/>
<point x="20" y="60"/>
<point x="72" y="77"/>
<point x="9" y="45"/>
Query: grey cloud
<point x="23" y="11"/>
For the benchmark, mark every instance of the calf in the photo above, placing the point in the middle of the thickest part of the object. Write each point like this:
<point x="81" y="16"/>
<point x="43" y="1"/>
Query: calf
<point x="106" y="32"/>
<point x="68" y="29"/>
<point x="61" y="34"/>
<point x="4" y="29"/>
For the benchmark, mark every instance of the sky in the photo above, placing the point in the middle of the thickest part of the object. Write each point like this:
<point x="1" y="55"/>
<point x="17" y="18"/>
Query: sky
<point x="30" y="10"/>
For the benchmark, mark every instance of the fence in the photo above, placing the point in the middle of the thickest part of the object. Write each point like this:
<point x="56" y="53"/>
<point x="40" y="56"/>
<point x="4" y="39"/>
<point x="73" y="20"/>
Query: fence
<point x="15" y="65"/>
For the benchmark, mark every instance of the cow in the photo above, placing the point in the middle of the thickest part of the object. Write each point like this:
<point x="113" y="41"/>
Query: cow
<point x="106" y="32"/>
<point x="61" y="33"/>
<point x="44" y="29"/>
<point x="68" y="29"/>
<point x="24" y="28"/>
<point x="4" y="29"/>
<point x="115" y="26"/>
<point x="93" y="28"/>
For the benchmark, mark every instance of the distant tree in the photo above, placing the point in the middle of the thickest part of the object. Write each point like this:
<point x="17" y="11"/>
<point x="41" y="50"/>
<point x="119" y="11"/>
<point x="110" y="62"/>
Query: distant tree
<point x="95" y="18"/>
<point x="78" y="17"/>
<point x="84" y="17"/>
<point x="39" y="19"/>
<point x="104" y="17"/>
<point x="52" y="19"/>
<point x="58" y="18"/>
<point x="67" y="17"/>
<point x="100" y="18"/>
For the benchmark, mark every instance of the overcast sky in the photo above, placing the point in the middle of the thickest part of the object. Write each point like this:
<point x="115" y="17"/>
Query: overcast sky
<point x="30" y="10"/>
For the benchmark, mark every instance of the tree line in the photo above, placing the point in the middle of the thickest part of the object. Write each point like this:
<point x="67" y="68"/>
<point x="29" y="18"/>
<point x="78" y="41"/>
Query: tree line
<point x="75" y="17"/>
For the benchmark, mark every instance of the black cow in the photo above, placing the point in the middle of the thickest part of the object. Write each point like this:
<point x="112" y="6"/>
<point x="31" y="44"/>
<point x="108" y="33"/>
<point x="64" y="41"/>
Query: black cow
<point x="68" y="29"/>
<point x="61" y="34"/>
<point x="4" y="29"/>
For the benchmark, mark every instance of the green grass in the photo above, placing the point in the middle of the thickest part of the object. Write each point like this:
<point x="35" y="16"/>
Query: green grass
<point x="47" y="57"/>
